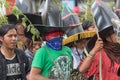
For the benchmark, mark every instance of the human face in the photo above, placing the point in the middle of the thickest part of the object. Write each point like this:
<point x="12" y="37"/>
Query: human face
<point x="112" y="38"/>
<point x="9" y="40"/>
<point x="81" y="44"/>
<point x="36" y="45"/>
<point x="20" y="31"/>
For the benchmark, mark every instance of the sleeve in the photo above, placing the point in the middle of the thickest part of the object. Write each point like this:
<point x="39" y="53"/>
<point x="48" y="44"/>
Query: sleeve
<point x="39" y="58"/>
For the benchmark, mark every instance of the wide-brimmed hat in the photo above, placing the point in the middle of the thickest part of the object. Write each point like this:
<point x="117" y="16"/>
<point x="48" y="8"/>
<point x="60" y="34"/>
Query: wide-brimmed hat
<point x="77" y="33"/>
<point x="36" y="21"/>
<point x="27" y="20"/>
<point x="102" y="15"/>
<point x="46" y="29"/>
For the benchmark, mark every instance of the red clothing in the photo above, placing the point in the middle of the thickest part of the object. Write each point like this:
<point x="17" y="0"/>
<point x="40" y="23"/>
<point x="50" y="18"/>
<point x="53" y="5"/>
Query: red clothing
<point x="11" y="4"/>
<point x="108" y="72"/>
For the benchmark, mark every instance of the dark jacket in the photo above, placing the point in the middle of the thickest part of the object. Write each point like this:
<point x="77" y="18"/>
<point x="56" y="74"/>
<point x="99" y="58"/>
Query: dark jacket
<point x="21" y="59"/>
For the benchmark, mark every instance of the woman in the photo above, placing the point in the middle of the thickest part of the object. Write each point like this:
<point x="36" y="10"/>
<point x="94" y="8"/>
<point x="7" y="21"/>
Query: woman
<point x="110" y="50"/>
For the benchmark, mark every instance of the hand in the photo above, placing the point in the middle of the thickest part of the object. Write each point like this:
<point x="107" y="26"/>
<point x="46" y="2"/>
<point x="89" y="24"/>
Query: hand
<point x="98" y="46"/>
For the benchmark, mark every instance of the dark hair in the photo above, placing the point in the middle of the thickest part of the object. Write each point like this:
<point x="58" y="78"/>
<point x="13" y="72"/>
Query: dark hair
<point x="106" y="32"/>
<point x="86" y="24"/>
<point x="5" y="28"/>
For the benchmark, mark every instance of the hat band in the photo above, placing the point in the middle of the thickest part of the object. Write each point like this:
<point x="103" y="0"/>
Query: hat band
<point x="48" y="36"/>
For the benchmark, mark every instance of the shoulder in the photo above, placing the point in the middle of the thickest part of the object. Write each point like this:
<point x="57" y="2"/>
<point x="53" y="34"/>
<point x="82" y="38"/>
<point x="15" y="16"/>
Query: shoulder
<point x="66" y="48"/>
<point x="19" y="52"/>
<point x="41" y="51"/>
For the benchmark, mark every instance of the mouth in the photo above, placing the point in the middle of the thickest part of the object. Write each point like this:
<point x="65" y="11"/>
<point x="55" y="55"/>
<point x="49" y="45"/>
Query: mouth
<point x="14" y="43"/>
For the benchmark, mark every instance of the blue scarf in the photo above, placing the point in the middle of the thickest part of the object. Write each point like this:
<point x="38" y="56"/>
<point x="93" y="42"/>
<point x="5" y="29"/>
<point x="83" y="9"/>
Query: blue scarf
<point x="55" y="43"/>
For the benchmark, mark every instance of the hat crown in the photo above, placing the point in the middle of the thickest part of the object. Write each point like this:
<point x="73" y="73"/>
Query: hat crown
<point x="69" y="17"/>
<point x="74" y="30"/>
<point x="103" y="15"/>
<point x="50" y="14"/>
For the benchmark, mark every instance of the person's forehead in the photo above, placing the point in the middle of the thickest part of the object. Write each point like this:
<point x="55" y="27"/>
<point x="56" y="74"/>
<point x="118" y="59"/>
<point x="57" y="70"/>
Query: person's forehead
<point x="11" y="31"/>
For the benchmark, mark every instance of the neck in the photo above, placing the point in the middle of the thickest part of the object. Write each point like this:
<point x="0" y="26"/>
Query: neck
<point x="8" y="53"/>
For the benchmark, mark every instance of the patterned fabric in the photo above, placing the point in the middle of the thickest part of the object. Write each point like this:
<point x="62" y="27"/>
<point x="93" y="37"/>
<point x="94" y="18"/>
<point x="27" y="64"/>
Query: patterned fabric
<point x="76" y="75"/>
<point x="54" y="64"/>
<point x="23" y="61"/>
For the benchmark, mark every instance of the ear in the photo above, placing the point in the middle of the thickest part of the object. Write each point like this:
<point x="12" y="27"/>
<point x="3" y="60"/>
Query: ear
<point x="1" y="38"/>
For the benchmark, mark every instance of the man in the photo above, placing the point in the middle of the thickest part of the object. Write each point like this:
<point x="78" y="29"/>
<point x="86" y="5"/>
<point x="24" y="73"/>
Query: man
<point x="33" y="46"/>
<point x="13" y="63"/>
<point x="52" y="61"/>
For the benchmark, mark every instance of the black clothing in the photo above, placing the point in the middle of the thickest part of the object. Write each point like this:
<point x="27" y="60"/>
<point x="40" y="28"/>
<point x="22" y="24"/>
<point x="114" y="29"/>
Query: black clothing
<point x="22" y="60"/>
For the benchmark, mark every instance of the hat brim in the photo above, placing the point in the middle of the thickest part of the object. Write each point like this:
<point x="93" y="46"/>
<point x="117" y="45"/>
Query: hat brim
<point x="44" y="29"/>
<point x="78" y="36"/>
<point x="33" y="18"/>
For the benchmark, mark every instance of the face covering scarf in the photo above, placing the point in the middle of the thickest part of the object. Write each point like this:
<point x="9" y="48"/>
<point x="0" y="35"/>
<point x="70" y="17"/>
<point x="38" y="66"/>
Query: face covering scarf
<point x="55" y="43"/>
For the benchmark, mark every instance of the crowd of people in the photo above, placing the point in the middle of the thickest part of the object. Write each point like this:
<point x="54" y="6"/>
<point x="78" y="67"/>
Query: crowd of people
<point x="72" y="51"/>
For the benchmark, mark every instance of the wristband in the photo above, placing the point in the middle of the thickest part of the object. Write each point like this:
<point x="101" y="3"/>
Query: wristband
<point x="90" y="55"/>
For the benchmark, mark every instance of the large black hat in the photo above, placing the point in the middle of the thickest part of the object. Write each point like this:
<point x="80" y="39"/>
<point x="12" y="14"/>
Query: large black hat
<point x="29" y="19"/>
<point x="36" y="21"/>
<point x="75" y="32"/>
<point x="102" y="15"/>
<point x="44" y="30"/>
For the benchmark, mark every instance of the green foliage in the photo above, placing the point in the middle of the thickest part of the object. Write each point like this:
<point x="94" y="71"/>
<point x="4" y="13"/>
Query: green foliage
<point x="29" y="27"/>
<point x="87" y="15"/>
<point x="3" y="19"/>
<point x="111" y="4"/>
<point x="17" y="12"/>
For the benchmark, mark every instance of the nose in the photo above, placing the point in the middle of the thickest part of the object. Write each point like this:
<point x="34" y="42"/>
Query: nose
<point x="14" y="37"/>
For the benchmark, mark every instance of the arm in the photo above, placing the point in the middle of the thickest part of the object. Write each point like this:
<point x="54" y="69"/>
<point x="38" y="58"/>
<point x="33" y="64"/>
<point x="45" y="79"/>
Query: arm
<point x="88" y="60"/>
<point x="35" y="75"/>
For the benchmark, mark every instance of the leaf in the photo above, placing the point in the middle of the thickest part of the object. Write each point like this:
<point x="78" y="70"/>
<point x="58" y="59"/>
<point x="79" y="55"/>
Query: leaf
<point x="33" y="37"/>
<point x="24" y="20"/>
<point x="24" y="24"/>
<point x="16" y="11"/>
<point x="6" y="5"/>
<point x="28" y="27"/>
<point x="35" y="32"/>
